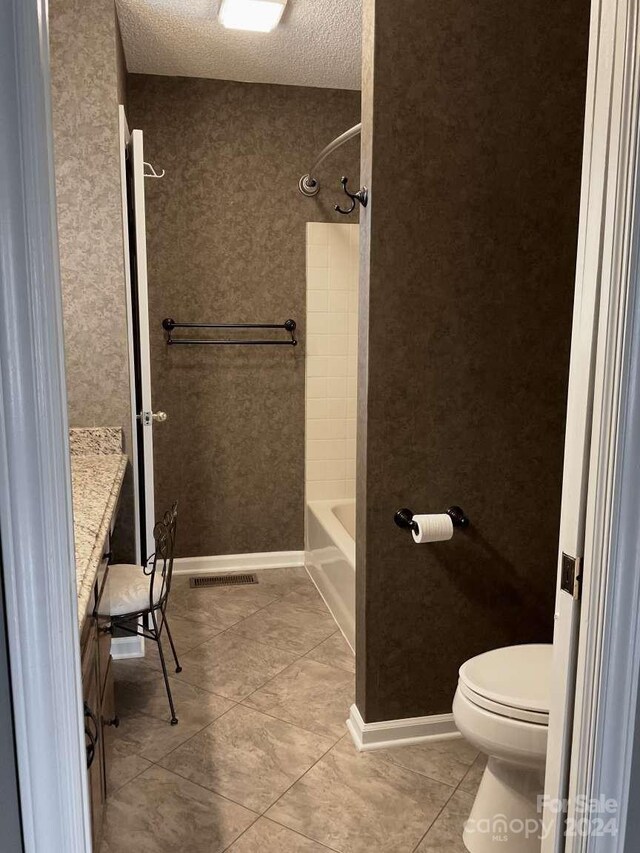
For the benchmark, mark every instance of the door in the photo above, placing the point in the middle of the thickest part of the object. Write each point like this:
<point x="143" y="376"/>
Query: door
<point x="132" y="168"/>
<point x="142" y="361"/>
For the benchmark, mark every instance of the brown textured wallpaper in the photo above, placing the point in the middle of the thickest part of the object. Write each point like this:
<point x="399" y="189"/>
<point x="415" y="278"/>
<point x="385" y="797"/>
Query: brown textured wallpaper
<point x="226" y="243"/>
<point x="472" y="149"/>
<point x="87" y="73"/>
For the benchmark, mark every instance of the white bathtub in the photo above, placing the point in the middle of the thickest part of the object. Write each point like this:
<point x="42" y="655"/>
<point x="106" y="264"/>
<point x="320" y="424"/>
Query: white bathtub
<point x="330" y="559"/>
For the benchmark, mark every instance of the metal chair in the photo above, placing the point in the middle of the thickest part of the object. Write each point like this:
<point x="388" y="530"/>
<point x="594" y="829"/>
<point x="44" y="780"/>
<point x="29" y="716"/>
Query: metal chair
<point x="138" y="595"/>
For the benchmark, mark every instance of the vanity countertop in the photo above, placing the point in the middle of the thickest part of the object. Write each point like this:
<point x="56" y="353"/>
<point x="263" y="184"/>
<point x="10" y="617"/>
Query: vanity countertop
<point x="97" y="471"/>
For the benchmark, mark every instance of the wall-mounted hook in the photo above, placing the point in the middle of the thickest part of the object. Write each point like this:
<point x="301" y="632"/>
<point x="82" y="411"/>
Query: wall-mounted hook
<point x="362" y="196"/>
<point x="150" y="172"/>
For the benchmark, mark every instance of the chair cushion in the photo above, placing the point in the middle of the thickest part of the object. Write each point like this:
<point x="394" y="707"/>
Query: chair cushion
<point x="127" y="590"/>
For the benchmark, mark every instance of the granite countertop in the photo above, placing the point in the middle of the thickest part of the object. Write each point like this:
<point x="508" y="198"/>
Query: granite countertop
<point x="97" y="471"/>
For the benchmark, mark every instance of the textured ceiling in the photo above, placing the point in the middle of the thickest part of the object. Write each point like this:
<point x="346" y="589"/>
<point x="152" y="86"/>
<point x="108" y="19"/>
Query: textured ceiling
<point x="318" y="43"/>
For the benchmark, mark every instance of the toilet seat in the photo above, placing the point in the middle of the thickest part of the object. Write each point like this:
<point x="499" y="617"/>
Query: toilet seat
<point x="513" y="682"/>
<point x="509" y="711"/>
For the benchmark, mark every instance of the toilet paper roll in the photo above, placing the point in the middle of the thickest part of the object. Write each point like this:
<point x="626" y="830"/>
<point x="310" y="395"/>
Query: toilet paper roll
<point x="432" y="528"/>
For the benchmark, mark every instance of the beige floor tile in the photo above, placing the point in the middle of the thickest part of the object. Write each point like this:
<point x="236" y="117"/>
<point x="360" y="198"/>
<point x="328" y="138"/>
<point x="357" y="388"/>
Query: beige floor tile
<point x="232" y="666"/>
<point x="187" y="634"/>
<point x="308" y="694"/>
<point x="123" y="765"/>
<point x="335" y="652"/>
<point x="247" y="756"/>
<point x="306" y="595"/>
<point x="287" y="627"/>
<point x="148" y="695"/>
<point x="445" y="761"/>
<point x="472" y="779"/>
<point x="130" y="670"/>
<point x="358" y="803"/>
<point x="220" y="607"/>
<point x="265" y="836"/>
<point x="152" y="655"/>
<point x="445" y="836"/>
<point x="151" y="738"/>
<point x="162" y="813"/>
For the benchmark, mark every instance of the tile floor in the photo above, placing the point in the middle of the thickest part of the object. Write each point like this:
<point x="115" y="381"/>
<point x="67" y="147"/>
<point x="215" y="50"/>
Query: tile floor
<point x="260" y="761"/>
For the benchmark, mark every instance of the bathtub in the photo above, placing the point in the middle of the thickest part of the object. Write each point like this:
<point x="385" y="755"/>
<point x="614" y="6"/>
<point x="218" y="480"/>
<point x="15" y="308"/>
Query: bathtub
<point x="330" y="559"/>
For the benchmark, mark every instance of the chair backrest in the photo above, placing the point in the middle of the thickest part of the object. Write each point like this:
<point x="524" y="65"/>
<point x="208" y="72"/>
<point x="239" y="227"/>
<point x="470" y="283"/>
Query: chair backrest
<point x="164" y="534"/>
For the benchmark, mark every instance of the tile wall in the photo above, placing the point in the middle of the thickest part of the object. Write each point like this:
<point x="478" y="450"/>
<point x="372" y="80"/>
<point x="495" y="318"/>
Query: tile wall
<point x="331" y="365"/>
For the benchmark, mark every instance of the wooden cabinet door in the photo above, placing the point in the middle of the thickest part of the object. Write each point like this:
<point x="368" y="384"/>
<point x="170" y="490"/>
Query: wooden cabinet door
<point x="93" y="731"/>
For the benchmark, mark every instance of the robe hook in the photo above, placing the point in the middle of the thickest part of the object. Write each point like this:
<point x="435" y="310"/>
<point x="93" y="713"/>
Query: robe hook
<point x="362" y="196"/>
<point x="150" y="172"/>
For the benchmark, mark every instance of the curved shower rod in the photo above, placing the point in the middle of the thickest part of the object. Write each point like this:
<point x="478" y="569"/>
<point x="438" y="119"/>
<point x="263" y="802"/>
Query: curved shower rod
<point x="310" y="186"/>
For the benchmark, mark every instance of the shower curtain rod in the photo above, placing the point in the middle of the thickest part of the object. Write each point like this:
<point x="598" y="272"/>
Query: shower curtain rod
<point x="310" y="186"/>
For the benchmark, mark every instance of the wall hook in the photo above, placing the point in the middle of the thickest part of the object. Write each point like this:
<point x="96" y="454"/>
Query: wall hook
<point x="150" y="172"/>
<point x="362" y="196"/>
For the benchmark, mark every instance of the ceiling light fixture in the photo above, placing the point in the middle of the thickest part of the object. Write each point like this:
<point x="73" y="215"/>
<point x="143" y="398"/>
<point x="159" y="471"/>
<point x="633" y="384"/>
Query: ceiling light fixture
<point x="260" y="16"/>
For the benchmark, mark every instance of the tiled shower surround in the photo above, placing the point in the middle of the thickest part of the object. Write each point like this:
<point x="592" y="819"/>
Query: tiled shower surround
<point x="331" y="365"/>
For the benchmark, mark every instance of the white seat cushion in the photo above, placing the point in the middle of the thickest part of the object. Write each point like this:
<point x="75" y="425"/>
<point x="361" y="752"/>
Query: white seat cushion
<point x="127" y="590"/>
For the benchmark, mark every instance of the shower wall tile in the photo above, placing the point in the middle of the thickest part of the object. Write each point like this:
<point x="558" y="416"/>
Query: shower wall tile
<point x="332" y="330"/>
<point x="226" y="239"/>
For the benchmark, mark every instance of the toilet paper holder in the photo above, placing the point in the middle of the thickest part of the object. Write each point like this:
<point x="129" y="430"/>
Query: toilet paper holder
<point x="404" y="518"/>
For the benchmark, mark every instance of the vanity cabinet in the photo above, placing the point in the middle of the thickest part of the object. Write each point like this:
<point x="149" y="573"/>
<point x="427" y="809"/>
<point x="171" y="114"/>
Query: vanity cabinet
<point x="99" y="702"/>
<point x="98" y="467"/>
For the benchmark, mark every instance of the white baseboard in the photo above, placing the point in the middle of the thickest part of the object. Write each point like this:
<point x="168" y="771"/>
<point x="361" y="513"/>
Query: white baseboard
<point x="388" y="733"/>
<point x="127" y="647"/>
<point x="238" y="562"/>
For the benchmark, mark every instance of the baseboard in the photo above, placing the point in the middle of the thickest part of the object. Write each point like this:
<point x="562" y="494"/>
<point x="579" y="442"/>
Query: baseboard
<point x="127" y="647"/>
<point x="388" y="733"/>
<point x="238" y="562"/>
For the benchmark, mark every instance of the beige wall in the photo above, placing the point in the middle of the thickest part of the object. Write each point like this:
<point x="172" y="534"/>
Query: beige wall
<point x="87" y="75"/>
<point x="226" y="243"/>
<point x="472" y="148"/>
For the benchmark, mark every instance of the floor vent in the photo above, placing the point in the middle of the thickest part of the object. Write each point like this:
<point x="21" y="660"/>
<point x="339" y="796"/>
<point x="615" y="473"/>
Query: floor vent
<point x="221" y="580"/>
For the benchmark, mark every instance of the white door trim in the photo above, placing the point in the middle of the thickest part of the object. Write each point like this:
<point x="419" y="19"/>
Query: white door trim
<point x="579" y="416"/>
<point x="607" y="676"/>
<point x="606" y="283"/>
<point x="35" y="482"/>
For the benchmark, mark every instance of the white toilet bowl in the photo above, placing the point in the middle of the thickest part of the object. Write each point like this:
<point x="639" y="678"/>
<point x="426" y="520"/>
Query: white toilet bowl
<point x="501" y="706"/>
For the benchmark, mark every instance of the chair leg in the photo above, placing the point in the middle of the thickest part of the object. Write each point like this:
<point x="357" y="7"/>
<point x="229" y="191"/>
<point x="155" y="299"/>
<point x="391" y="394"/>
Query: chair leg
<point x="173" y="648"/>
<point x="174" y="719"/>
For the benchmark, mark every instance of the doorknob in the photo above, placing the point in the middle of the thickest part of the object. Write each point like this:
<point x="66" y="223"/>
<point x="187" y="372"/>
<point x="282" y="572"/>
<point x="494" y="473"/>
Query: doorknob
<point x="148" y="417"/>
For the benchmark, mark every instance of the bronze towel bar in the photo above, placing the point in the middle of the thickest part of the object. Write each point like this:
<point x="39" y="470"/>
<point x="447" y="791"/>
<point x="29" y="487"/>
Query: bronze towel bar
<point x="169" y="325"/>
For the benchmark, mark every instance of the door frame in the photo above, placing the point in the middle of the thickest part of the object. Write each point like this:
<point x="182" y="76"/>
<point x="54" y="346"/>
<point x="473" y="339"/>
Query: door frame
<point x="587" y="760"/>
<point x="606" y="711"/>
<point x="35" y="478"/>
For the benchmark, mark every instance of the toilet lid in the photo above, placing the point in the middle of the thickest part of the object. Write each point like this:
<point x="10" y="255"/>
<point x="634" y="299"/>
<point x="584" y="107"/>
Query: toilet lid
<point x="515" y="677"/>
<point x="501" y="710"/>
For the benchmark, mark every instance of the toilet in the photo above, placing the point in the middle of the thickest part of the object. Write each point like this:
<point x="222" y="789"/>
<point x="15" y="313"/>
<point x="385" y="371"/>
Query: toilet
<point x="501" y="706"/>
